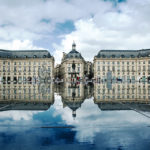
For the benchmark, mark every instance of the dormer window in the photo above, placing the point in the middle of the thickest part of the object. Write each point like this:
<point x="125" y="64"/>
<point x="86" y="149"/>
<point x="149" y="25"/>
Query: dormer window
<point x="122" y="56"/>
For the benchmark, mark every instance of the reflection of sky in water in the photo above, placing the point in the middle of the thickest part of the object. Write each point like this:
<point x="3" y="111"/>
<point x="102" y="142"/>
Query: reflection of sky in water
<point x="93" y="128"/>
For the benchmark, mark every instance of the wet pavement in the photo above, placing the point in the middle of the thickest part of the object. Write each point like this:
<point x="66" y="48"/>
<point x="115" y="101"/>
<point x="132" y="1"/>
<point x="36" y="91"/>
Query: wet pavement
<point x="75" y="116"/>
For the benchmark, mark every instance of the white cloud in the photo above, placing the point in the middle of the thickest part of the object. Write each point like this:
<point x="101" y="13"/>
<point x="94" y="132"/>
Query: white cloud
<point x="88" y="124"/>
<point x="18" y="45"/>
<point x="98" y="24"/>
<point x="23" y="19"/>
<point x="125" y="27"/>
<point x="18" y="115"/>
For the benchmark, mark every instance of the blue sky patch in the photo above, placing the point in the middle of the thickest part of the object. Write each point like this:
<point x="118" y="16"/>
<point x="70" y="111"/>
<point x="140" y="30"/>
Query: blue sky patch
<point x="44" y="20"/>
<point x="66" y="27"/>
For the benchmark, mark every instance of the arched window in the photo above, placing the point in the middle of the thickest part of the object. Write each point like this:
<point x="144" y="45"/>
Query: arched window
<point x="132" y="56"/>
<point x="122" y="56"/>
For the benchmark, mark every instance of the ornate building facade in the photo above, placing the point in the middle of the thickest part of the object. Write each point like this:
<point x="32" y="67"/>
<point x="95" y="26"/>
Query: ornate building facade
<point x="26" y="66"/>
<point x="122" y="65"/>
<point x="72" y="66"/>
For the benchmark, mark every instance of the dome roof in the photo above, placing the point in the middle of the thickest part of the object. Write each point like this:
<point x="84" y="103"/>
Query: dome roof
<point x="73" y="53"/>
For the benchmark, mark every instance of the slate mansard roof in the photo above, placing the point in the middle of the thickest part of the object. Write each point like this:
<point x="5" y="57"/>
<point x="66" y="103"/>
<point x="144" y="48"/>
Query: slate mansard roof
<point x="24" y="54"/>
<point x="73" y="54"/>
<point x="123" y="53"/>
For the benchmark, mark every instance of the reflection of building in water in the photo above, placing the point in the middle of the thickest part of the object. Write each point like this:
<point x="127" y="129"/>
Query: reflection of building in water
<point x="123" y="93"/>
<point x="73" y="95"/>
<point x="124" y="65"/>
<point x="25" y="66"/>
<point x="27" y="96"/>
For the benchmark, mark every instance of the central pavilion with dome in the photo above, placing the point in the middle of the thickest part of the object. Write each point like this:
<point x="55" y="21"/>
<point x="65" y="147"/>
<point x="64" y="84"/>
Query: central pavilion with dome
<point x="72" y="66"/>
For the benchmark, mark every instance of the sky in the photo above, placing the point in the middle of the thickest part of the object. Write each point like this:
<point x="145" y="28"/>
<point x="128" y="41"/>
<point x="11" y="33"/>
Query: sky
<point x="92" y="24"/>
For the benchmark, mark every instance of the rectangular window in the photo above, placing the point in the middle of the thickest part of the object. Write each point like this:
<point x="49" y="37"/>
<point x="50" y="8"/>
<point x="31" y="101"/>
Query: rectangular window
<point x="15" y="69"/>
<point x="139" y="69"/>
<point x="24" y="68"/>
<point x="49" y="68"/>
<point x="3" y="69"/>
<point x="8" y="68"/>
<point x="68" y="69"/>
<point x="113" y="68"/>
<point x="132" y="68"/>
<point x="78" y="69"/>
<point x="103" y="68"/>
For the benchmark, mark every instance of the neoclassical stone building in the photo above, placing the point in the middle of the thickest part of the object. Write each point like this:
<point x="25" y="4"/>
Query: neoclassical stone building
<point x="73" y="66"/>
<point x="25" y="66"/>
<point x="123" y="65"/>
<point x="122" y="96"/>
